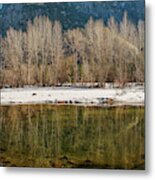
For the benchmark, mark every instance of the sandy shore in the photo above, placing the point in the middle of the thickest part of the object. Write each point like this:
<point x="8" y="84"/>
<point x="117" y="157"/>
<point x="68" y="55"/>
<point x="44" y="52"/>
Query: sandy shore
<point x="82" y="96"/>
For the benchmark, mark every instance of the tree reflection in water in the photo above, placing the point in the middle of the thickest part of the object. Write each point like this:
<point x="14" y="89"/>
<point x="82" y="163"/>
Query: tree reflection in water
<point x="72" y="136"/>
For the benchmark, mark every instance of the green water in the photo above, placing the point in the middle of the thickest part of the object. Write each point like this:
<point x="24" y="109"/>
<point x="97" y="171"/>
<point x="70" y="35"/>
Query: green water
<point x="72" y="136"/>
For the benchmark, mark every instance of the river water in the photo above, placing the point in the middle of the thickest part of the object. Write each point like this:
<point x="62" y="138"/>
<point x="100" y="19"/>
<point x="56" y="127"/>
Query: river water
<point x="72" y="137"/>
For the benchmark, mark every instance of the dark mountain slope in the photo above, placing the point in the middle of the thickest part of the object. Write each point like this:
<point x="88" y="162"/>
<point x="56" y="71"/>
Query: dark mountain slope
<point x="70" y="14"/>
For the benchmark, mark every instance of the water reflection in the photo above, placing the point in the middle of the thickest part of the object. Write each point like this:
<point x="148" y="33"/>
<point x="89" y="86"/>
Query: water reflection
<point x="70" y="136"/>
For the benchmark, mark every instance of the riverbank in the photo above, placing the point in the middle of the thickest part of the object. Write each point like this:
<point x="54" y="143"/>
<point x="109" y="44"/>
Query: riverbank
<point x="133" y="95"/>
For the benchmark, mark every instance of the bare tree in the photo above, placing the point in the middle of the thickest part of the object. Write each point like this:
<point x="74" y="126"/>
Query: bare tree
<point x="97" y="53"/>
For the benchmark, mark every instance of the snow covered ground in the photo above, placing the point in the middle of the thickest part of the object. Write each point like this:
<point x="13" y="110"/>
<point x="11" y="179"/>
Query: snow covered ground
<point x="82" y="96"/>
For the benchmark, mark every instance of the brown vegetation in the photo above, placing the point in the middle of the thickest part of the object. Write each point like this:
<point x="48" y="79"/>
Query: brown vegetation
<point x="46" y="56"/>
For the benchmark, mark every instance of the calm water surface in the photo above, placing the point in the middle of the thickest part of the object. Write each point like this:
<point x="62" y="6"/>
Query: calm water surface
<point x="72" y="136"/>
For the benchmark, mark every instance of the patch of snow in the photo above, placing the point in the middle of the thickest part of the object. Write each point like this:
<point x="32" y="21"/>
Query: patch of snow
<point x="126" y="96"/>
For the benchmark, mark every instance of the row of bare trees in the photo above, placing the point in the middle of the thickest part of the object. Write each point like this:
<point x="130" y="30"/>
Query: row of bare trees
<point x="45" y="55"/>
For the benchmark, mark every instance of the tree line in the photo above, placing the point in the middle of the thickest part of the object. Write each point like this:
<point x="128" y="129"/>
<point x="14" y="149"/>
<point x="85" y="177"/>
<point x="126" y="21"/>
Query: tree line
<point x="45" y="55"/>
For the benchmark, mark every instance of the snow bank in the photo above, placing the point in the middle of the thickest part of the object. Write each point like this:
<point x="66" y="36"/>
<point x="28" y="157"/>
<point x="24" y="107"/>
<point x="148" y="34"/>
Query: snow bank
<point x="84" y="96"/>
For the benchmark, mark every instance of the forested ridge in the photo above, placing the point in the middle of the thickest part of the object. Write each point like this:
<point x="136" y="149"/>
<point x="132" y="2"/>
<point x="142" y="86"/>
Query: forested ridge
<point x="70" y="14"/>
<point x="49" y="44"/>
<point x="45" y="55"/>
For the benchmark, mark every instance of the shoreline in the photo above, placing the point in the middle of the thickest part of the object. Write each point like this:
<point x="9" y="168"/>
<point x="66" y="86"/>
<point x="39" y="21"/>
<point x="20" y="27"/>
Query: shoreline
<point x="132" y="96"/>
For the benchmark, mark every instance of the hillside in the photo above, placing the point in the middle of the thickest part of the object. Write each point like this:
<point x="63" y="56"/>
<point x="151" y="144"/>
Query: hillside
<point x="52" y="44"/>
<point x="71" y="15"/>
